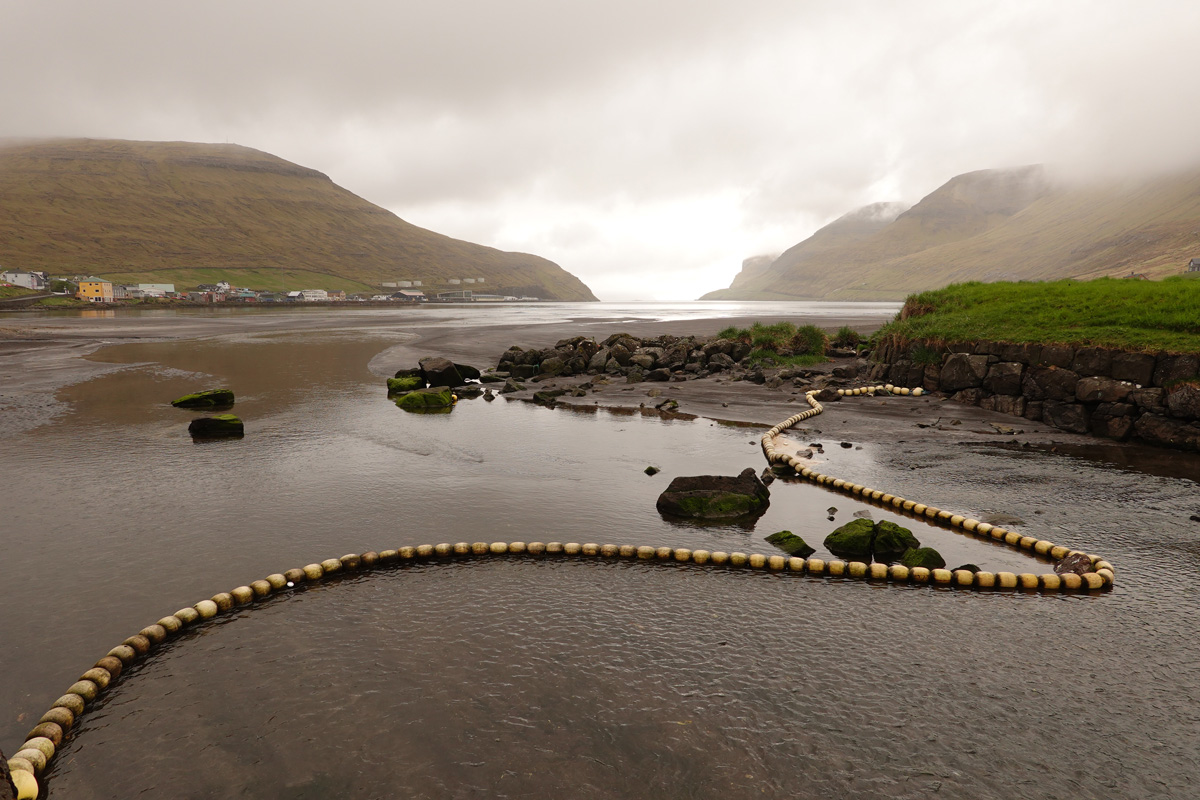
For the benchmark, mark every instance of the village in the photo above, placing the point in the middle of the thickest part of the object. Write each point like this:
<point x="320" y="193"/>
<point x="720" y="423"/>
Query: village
<point x="100" y="290"/>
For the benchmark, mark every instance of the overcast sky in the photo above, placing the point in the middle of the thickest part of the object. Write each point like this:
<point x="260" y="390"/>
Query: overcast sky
<point x="647" y="146"/>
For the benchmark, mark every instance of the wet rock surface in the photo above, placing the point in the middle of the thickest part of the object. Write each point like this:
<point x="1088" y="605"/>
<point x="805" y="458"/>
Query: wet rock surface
<point x="715" y="496"/>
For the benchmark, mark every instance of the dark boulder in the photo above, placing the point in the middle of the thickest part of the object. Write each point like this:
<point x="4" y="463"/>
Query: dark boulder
<point x="209" y="398"/>
<point x="1093" y="361"/>
<point x="892" y="541"/>
<point x="510" y="386"/>
<point x="1183" y="400"/>
<point x="1049" y="383"/>
<point x="720" y="361"/>
<point x="1167" y="432"/>
<point x="715" y="496"/>
<point x="468" y="372"/>
<point x="852" y="540"/>
<point x="222" y="426"/>
<point x="1004" y="378"/>
<point x="662" y="374"/>
<point x="621" y="354"/>
<point x="962" y="371"/>
<point x="1102" y="390"/>
<point x="791" y="544"/>
<point x="524" y="371"/>
<point x="553" y="366"/>
<point x="1175" y="368"/>
<point x="1073" y="417"/>
<point x="1137" y="368"/>
<point x="598" y="360"/>
<point x="439" y="371"/>
<point x="925" y="557"/>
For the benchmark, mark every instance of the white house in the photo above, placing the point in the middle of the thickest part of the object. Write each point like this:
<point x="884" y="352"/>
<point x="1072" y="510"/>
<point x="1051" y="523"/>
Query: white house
<point x="30" y="280"/>
<point x="314" y="295"/>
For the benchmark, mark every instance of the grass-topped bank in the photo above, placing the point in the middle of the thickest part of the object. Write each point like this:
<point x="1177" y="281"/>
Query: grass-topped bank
<point x="781" y="343"/>
<point x="1108" y="312"/>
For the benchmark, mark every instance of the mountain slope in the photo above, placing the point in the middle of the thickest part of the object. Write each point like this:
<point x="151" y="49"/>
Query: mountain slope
<point x="193" y="213"/>
<point x="1000" y="225"/>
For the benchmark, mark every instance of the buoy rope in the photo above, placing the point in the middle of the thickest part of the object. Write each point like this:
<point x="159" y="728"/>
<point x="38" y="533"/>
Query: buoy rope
<point x="1101" y="575"/>
<point x="48" y="735"/>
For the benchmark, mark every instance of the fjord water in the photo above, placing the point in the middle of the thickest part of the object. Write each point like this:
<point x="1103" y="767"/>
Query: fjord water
<point x="580" y="678"/>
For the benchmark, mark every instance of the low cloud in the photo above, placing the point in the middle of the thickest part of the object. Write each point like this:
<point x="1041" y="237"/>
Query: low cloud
<point x="648" y="148"/>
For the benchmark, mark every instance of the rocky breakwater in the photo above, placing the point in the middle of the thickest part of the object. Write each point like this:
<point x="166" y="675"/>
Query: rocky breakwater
<point x="1116" y="394"/>
<point x="662" y="359"/>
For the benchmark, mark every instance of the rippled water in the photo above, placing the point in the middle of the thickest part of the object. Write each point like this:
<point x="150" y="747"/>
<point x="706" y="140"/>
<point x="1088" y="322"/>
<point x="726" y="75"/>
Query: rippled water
<point x="535" y="678"/>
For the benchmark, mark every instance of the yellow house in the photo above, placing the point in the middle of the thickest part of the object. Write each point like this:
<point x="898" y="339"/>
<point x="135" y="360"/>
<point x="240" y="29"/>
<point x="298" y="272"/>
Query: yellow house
<point x="96" y="290"/>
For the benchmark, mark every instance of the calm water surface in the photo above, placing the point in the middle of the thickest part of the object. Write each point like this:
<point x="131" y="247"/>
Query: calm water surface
<point x="537" y="678"/>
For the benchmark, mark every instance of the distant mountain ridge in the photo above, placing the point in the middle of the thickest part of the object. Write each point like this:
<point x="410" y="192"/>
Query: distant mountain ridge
<point x="1012" y="224"/>
<point x="196" y="213"/>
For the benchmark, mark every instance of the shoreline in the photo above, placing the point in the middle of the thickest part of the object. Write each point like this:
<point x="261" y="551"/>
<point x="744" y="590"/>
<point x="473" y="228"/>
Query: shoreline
<point x="38" y="360"/>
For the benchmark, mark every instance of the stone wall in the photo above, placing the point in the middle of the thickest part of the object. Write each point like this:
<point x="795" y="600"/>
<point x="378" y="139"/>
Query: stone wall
<point x="1116" y="394"/>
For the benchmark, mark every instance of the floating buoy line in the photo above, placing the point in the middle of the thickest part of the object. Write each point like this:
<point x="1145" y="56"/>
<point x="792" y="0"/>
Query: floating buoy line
<point x="43" y="742"/>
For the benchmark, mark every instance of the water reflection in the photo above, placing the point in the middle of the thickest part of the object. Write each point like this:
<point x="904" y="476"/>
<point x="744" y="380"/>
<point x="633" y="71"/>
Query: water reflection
<point x="555" y="678"/>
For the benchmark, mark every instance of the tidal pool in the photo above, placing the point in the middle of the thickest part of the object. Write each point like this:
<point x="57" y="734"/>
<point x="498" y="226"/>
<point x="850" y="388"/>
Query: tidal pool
<point x="526" y="678"/>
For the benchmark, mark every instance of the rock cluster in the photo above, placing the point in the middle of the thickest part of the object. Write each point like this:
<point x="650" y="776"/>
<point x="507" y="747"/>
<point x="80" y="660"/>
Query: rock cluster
<point x="884" y="542"/>
<point x="1116" y="394"/>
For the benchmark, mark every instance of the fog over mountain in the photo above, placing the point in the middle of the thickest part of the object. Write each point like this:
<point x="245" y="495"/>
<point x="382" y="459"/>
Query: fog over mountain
<point x="647" y="148"/>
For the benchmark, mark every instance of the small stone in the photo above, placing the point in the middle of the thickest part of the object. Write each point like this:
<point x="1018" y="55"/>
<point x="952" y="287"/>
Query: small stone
<point x="652" y="470"/>
<point x="1077" y="563"/>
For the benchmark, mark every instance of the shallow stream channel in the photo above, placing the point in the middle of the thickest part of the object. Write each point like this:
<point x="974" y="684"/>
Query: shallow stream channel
<point x="563" y="677"/>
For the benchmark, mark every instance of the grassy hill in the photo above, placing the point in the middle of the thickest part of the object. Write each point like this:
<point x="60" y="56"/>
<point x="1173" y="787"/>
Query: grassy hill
<point x="189" y="213"/>
<point x="996" y="225"/>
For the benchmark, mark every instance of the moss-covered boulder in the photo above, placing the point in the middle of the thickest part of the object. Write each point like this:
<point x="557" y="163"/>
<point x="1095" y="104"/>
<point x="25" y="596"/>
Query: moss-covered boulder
<point x="406" y="383"/>
<point x="222" y="426"/>
<point x="923" y="557"/>
<point x="436" y="397"/>
<point x="715" y="496"/>
<point x="210" y="398"/>
<point x="853" y="540"/>
<point x="892" y="541"/>
<point x="791" y="544"/>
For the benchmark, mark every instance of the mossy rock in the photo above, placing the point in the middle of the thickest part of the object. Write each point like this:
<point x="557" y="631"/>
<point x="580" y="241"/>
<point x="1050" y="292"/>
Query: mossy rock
<point x="853" y="540"/>
<point x="437" y="397"/>
<point x="715" y="496"/>
<point x="406" y="383"/>
<point x="923" y="557"/>
<point x="892" y="541"/>
<point x="791" y="544"/>
<point x="210" y="398"/>
<point x="222" y="426"/>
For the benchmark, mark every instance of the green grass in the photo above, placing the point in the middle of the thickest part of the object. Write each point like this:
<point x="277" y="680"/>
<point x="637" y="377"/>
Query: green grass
<point x="1107" y="312"/>
<point x="9" y="292"/>
<point x="781" y="343"/>
<point x="847" y="337"/>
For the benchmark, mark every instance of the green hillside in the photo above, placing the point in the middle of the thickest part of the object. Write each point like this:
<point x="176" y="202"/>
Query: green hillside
<point x="996" y="225"/>
<point x="189" y="213"/>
